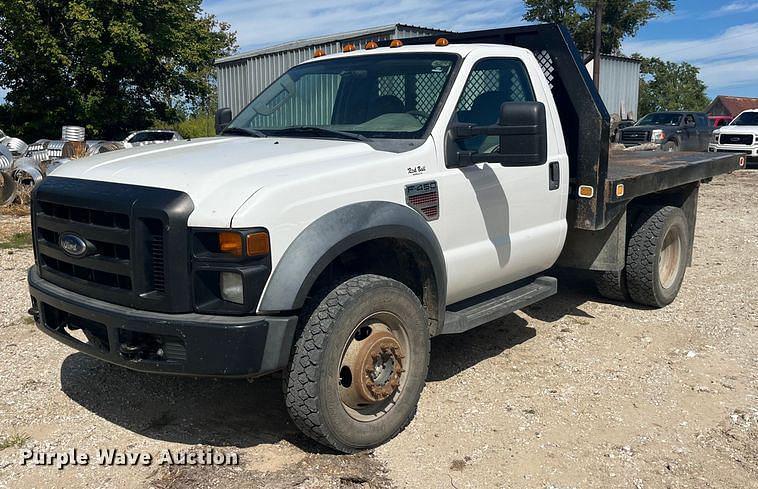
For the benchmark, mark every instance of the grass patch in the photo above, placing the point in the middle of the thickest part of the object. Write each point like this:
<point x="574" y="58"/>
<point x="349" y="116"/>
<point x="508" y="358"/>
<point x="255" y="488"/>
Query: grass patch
<point x="13" y="441"/>
<point x="15" y="210"/>
<point x="18" y="240"/>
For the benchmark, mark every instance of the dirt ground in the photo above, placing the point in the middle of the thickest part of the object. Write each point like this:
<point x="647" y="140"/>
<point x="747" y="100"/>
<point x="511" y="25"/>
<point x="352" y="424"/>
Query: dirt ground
<point x="572" y="392"/>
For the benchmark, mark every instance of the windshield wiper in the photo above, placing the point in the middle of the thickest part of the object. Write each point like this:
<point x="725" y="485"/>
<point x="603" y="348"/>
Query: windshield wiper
<point x="242" y="131"/>
<point x="321" y="131"/>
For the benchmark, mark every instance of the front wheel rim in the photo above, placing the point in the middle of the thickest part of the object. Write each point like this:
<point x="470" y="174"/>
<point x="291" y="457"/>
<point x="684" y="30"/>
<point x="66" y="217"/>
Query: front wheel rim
<point x="373" y="367"/>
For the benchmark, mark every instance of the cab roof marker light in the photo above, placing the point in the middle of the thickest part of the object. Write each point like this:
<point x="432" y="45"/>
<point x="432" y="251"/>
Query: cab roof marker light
<point x="348" y="48"/>
<point x="319" y="53"/>
<point x="372" y="45"/>
<point x="396" y="43"/>
<point x="441" y="42"/>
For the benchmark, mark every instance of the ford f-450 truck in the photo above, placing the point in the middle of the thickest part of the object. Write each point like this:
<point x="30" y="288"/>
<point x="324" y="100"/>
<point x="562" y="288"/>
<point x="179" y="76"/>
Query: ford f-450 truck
<point x="362" y="204"/>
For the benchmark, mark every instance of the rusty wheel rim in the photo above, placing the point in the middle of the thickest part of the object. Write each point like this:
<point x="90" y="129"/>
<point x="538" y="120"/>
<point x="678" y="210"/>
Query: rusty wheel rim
<point x="372" y="372"/>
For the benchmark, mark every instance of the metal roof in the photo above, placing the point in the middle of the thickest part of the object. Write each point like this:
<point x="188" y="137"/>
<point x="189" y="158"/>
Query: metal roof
<point x="313" y="41"/>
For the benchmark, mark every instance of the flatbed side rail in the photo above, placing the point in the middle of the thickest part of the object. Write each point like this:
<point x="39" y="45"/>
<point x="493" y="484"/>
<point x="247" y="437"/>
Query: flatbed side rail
<point x="584" y="118"/>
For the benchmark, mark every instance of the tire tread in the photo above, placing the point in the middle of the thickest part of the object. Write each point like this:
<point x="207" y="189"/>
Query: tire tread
<point x="301" y="390"/>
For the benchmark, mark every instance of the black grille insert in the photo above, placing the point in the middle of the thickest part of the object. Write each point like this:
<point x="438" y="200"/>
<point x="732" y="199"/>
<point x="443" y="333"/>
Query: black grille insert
<point x="128" y="231"/>
<point x="746" y="139"/>
<point x="86" y="216"/>
<point x="158" y="265"/>
<point x="635" y="136"/>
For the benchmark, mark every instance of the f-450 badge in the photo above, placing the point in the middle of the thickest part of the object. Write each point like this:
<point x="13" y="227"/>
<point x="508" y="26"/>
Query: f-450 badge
<point x="424" y="198"/>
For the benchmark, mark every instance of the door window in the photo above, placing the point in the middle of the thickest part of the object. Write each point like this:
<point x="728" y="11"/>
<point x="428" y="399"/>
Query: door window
<point x="491" y="83"/>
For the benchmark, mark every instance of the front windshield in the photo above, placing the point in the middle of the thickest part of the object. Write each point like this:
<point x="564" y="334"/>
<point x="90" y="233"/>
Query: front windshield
<point x="376" y="96"/>
<point x="660" y="119"/>
<point x="746" y="119"/>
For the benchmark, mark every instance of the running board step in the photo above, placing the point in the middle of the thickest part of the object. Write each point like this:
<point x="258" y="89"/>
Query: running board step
<point x="483" y="309"/>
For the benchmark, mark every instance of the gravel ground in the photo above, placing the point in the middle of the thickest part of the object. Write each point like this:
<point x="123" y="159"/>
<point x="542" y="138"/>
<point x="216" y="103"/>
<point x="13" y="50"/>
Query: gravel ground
<point x="572" y="392"/>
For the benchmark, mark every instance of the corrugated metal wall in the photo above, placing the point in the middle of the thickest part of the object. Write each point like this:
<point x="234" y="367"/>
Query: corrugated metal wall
<point x="619" y="85"/>
<point x="240" y="80"/>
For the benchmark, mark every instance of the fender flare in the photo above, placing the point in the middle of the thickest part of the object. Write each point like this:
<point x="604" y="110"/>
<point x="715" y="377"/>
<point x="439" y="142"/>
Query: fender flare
<point x="334" y="233"/>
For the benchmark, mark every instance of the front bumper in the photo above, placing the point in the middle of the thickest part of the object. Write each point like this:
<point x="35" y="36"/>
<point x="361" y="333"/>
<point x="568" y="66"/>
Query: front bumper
<point x="751" y="152"/>
<point x="180" y="344"/>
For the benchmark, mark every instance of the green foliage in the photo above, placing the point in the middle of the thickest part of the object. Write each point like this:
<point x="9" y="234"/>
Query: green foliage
<point x="110" y="65"/>
<point x="16" y="440"/>
<point x="665" y="85"/>
<point x="199" y="126"/>
<point x="18" y="240"/>
<point x="621" y="18"/>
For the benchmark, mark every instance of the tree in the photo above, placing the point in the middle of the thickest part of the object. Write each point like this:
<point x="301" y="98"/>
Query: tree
<point x="621" y="18"/>
<point x="665" y="85"/>
<point x="109" y="65"/>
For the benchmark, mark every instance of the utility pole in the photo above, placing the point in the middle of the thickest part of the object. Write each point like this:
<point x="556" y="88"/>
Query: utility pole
<point x="598" y="41"/>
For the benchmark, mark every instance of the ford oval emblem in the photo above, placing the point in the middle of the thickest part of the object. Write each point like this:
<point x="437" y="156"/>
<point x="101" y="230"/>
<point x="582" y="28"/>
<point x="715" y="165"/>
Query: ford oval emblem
<point x="72" y="245"/>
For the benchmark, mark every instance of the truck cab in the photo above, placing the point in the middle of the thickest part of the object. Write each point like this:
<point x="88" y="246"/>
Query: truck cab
<point x="365" y="202"/>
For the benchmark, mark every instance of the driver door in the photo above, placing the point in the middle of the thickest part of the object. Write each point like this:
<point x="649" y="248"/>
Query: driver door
<point x="504" y="222"/>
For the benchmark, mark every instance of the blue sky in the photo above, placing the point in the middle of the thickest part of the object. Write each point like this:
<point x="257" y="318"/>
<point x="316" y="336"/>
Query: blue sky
<point x="721" y="38"/>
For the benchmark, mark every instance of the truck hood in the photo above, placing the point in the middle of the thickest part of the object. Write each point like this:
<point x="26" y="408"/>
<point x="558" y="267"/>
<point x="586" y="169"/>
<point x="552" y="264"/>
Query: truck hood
<point x="649" y="128"/>
<point x="219" y="174"/>
<point x="738" y="130"/>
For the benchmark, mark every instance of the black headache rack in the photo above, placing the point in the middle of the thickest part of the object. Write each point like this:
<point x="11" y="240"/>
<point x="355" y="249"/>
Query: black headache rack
<point x="586" y="129"/>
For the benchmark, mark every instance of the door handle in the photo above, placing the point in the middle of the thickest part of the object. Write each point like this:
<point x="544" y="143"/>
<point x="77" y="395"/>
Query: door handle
<point x="554" y="177"/>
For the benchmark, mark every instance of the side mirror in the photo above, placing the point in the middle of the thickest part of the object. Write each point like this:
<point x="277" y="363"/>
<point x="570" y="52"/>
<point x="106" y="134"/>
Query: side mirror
<point x="522" y="130"/>
<point x="527" y="123"/>
<point x="223" y="118"/>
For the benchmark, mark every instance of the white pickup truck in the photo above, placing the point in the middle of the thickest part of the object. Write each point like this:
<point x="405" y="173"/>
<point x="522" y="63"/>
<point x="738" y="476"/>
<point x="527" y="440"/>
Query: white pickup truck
<point x="362" y="204"/>
<point x="740" y="136"/>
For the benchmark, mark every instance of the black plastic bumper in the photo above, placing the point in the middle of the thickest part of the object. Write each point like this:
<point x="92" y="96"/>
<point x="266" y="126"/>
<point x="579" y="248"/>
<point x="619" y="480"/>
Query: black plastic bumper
<point x="181" y="344"/>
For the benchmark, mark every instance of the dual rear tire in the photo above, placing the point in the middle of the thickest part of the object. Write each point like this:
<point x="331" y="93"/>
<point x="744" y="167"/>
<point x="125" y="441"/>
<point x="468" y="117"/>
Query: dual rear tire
<point x="656" y="259"/>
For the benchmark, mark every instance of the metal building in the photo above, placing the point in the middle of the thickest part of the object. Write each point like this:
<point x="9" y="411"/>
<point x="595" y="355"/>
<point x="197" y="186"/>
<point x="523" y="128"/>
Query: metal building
<point x="619" y="85"/>
<point x="243" y="76"/>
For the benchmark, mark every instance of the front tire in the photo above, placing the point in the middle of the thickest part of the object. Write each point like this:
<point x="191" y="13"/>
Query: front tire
<point x="657" y="256"/>
<point x="359" y="364"/>
<point x="670" y="146"/>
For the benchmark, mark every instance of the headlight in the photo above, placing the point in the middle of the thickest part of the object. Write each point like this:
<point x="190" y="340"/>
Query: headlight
<point x="657" y="135"/>
<point x="232" y="290"/>
<point x="714" y="137"/>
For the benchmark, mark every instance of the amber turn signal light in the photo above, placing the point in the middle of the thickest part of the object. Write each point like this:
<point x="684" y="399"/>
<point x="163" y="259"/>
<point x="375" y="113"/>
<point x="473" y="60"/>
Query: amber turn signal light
<point x="258" y="244"/>
<point x="230" y="242"/>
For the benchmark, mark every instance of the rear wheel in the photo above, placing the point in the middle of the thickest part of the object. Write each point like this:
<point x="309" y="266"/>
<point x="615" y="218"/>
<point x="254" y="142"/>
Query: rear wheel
<point x="657" y="256"/>
<point x="612" y="285"/>
<point x="360" y="364"/>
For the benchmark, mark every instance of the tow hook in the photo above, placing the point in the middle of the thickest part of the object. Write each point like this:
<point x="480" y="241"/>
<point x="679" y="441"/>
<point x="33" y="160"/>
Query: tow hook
<point x="136" y="352"/>
<point x="34" y="311"/>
